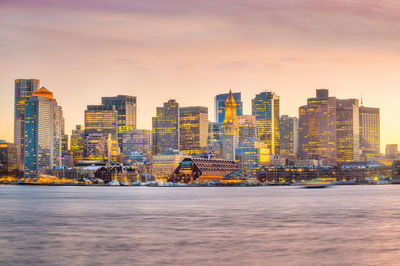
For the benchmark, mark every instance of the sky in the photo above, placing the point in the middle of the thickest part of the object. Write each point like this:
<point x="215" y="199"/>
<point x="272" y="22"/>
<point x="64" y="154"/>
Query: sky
<point x="191" y="50"/>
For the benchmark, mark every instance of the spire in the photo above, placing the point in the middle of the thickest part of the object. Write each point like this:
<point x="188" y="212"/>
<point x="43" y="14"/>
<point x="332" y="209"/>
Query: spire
<point x="230" y="109"/>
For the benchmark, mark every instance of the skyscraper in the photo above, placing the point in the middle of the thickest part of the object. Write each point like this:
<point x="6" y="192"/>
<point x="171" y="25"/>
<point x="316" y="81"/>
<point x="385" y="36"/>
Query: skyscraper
<point x="247" y="127"/>
<point x="8" y="157"/>
<point x="23" y="90"/>
<point x="347" y="130"/>
<point x="231" y="129"/>
<point x="166" y="128"/>
<point x="220" y="100"/>
<point x="265" y="107"/>
<point x="370" y="143"/>
<point x="193" y="129"/>
<point x="289" y="135"/>
<point x="43" y="119"/>
<point x="391" y="150"/>
<point x="317" y="128"/>
<point x="77" y="143"/>
<point x="215" y="136"/>
<point x="126" y="108"/>
<point x="137" y="140"/>
<point x="251" y="154"/>
<point x="101" y="119"/>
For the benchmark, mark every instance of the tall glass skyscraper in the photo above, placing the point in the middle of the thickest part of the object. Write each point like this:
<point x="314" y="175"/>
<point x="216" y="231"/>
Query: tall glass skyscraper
<point x="101" y="119"/>
<point x="289" y="130"/>
<point x="77" y="143"/>
<point x="43" y="133"/>
<point x="193" y="129"/>
<point x="265" y="107"/>
<point x="24" y="88"/>
<point x="126" y="108"/>
<point x="370" y="143"/>
<point x="166" y="128"/>
<point x="220" y="100"/>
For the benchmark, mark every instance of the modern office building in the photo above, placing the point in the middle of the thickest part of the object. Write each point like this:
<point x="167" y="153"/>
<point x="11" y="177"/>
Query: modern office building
<point x="251" y="154"/>
<point x="137" y="140"/>
<point x="193" y="129"/>
<point x="247" y="127"/>
<point x="101" y="119"/>
<point x="391" y="150"/>
<point x="166" y="128"/>
<point x="347" y="131"/>
<point x="230" y="138"/>
<point x="220" y="100"/>
<point x="370" y="143"/>
<point x="289" y="135"/>
<point x="127" y="111"/>
<point x="215" y="136"/>
<point x="100" y="147"/>
<point x="317" y="128"/>
<point x="77" y="143"/>
<point x="8" y="157"/>
<point x="43" y="133"/>
<point x="24" y="88"/>
<point x="164" y="165"/>
<point x="265" y="107"/>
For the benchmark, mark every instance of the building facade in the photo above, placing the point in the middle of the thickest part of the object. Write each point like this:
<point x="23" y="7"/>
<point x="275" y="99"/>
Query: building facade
<point x="8" y="157"/>
<point x="347" y="131"/>
<point x="391" y="150"/>
<point x="230" y="125"/>
<point x="247" y="127"/>
<point x="77" y="144"/>
<point x="289" y="135"/>
<point x="317" y="128"/>
<point x="370" y="143"/>
<point x="265" y="107"/>
<point x="24" y="88"/>
<point x="43" y="133"/>
<point x="193" y="129"/>
<point x="251" y="154"/>
<point x="126" y="107"/>
<point x="220" y="100"/>
<point x="164" y="165"/>
<point x="101" y="119"/>
<point x="137" y="140"/>
<point x="166" y="128"/>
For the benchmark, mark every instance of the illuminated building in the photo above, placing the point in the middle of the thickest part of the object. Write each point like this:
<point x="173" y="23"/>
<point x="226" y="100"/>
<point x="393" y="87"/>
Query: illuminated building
<point x="100" y="147"/>
<point x="247" y="127"/>
<point x="8" y="156"/>
<point x="163" y="165"/>
<point x="43" y="133"/>
<point x="391" y="150"/>
<point x="370" y="143"/>
<point x="166" y="128"/>
<point x="289" y="135"/>
<point x="251" y="154"/>
<point x="126" y="108"/>
<point x="230" y="125"/>
<point x="220" y="100"/>
<point x="347" y="130"/>
<point x="77" y="143"/>
<point x="317" y="128"/>
<point x="23" y="90"/>
<point x="193" y="129"/>
<point x="201" y="170"/>
<point x="101" y="119"/>
<point x="137" y="140"/>
<point x="64" y="138"/>
<point x="215" y="136"/>
<point x="265" y="107"/>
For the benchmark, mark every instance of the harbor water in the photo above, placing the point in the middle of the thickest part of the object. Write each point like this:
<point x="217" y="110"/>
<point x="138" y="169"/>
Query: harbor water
<point x="340" y="225"/>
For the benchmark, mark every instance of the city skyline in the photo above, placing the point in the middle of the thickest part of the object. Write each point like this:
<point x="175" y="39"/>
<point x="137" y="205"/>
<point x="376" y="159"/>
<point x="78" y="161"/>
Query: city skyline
<point x="195" y="50"/>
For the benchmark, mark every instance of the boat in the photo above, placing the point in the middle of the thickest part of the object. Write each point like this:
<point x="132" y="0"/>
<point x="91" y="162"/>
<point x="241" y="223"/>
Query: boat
<point x="114" y="183"/>
<point x="316" y="183"/>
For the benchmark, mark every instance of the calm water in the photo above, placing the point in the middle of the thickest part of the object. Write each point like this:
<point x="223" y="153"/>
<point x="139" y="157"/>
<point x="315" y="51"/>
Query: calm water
<point x="341" y="225"/>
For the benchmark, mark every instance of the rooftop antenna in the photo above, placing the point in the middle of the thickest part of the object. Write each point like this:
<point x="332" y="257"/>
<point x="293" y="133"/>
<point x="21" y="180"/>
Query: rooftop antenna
<point x="362" y="103"/>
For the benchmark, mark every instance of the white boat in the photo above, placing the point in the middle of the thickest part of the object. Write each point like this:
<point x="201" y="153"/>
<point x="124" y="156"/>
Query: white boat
<point x="114" y="183"/>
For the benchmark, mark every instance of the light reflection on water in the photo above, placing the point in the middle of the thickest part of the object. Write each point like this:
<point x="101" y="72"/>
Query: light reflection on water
<point x="199" y="226"/>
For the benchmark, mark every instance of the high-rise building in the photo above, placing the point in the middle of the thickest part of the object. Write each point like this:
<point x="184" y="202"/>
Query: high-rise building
<point x="193" y="129"/>
<point x="100" y="147"/>
<point x="317" y="128"/>
<point x="220" y="100"/>
<point x="8" y="156"/>
<point x="265" y="107"/>
<point x="370" y="143"/>
<point x="166" y="128"/>
<point x="230" y="137"/>
<point x="43" y="133"/>
<point x="101" y="119"/>
<point x="247" y="127"/>
<point x="126" y="108"/>
<point x="137" y="140"/>
<point x="251" y="154"/>
<point x="215" y="136"/>
<point x="391" y="150"/>
<point x="77" y="143"/>
<point x="347" y="131"/>
<point x="23" y="90"/>
<point x="289" y="135"/>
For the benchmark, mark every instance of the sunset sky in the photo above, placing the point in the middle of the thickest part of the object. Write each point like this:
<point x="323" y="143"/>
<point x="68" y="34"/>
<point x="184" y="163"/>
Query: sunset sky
<point x="191" y="50"/>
